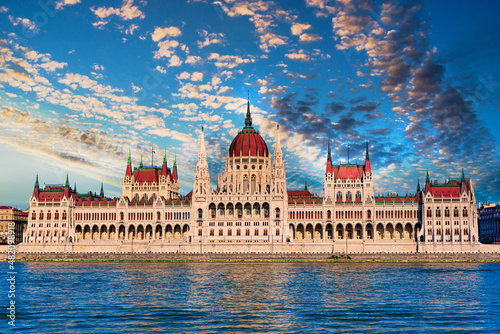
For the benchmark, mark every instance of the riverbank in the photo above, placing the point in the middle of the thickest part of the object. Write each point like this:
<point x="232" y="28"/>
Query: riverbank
<point x="259" y="257"/>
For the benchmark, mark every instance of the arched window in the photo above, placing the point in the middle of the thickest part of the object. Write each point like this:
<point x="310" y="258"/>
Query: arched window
<point x="200" y="214"/>
<point x="221" y="232"/>
<point x="238" y="232"/>
<point x="277" y="213"/>
<point x="328" y="214"/>
<point x="455" y="212"/>
<point x="349" y="196"/>
<point x="41" y="215"/>
<point x="33" y="215"/>
<point x="200" y="232"/>
<point x="64" y="215"/>
<point x="247" y="231"/>
<point x="121" y="216"/>
<point x="339" y="197"/>
<point x="446" y="212"/>
<point x="369" y="214"/>
<point x="358" y="196"/>
<point x="239" y="209"/>
<point x="248" y="209"/>
<point x="256" y="232"/>
<point x="229" y="232"/>
<point x="211" y="232"/>
<point x="429" y="213"/>
<point x="464" y="212"/>
<point x="277" y="231"/>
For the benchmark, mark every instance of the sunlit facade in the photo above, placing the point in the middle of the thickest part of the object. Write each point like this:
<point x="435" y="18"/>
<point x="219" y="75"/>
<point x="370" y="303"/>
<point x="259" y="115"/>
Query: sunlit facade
<point x="251" y="210"/>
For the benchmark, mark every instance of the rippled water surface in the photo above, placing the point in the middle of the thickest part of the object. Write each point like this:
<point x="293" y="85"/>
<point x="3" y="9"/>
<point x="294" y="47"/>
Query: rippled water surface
<point x="254" y="297"/>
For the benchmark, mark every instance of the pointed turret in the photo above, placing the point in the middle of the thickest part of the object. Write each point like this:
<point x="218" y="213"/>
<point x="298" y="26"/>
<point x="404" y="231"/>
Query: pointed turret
<point x="140" y="164"/>
<point x="102" y="191"/>
<point x="36" y="190"/>
<point x="66" y="185"/>
<point x="164" y="165"/>
<point x="128" y="172"/>
<point x="418" y="186"/>
<point x="329" y="160"/>
<point x="305" y="186"/>
<point x="367" y="161"/>
<point x="427" y="179"/>
<point x="174" y="168"/>
<point x="278" y="171"/>
<point x="463" y="176"/>
<point x="74" y="189"/>
<point x="201" y="186"/>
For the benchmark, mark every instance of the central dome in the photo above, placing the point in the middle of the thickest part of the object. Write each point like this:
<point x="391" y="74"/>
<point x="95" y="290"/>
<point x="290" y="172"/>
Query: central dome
<point x="248" y="142"/>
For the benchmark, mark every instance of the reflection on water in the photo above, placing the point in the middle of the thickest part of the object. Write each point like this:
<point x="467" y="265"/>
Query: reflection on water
<point x="255" y="297"/>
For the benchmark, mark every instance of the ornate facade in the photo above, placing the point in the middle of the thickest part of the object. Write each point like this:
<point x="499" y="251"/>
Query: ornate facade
<point x="251" y="210"/>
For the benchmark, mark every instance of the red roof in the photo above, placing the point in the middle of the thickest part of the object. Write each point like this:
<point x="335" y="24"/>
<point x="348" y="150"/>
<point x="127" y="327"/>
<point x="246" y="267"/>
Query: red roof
<point x="299" y="193"/>
<point x="446" y="191"/>
<point x="344" y="172"/>
<point x="6" y="207"/>
<point x="248" y="142"/>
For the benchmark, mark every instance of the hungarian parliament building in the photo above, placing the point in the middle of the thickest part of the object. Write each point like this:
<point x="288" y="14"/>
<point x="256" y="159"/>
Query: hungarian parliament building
<point x="251" y="210"/>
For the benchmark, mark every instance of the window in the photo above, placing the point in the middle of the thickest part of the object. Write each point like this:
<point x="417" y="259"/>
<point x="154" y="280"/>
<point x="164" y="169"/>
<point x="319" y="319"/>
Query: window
<point x="200" y="213"/>
<point x="229" y="232"/>
<point x="464" y="213"/>
<point x="212" y="232"/>
<point x="247" y="231"/>
<point x="277" y="231"/>
<point x="265" y="231"/>
<point x="277" y="213"/>
<point x="221" y="232"/>
<point x="256" y="232"/>
<point x="238" y="232"/>
<point x="369" y="214"/>
<point x="438" y="212"/>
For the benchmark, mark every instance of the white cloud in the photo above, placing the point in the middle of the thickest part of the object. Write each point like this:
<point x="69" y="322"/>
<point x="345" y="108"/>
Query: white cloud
<point x="213" y="38"/>
<point x="51" y="66"/>
<point x="229" y="61"/>
<point x="10" y="94"/>
<point x="126" y="12"/>
<point x="161" y="69"/>
<point x="301" y="55"/>
<point x="197" y="76"/>
<point x="63" y="3"/>
<point x="308" y="38"/>
<point x="97" y="67"/>
<point x="192" y="60"/>
<point x="174" y="61"/>
<point x="298" y="28"/>
<point x="160" y="33"/>
<point x="3" y="9"/>
<point x="30" y="25"/>
<point x="166" y="49"/>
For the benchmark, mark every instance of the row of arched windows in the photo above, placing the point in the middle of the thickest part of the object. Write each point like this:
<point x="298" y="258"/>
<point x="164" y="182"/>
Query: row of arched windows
<point x="397" y="214"/>
<point x="446" y="212"/>
<point x="305" y="214"/>
<point x="238" y="232"/>
<point x="348" y="197"/>
<point x="49" y="215"/>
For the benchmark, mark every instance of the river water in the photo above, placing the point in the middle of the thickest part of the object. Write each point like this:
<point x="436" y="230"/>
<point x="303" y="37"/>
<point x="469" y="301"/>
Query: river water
<point x="240" y="297"/>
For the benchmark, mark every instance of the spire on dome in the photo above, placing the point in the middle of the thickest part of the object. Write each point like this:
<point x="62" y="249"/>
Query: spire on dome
<point x="102" y="191"/>
<point x="140" y="164"/>
<point x="427" y="179"/>
<point x="248" y="118"/>
<point x="368" y="168"/>
<point x="36" y="182"/>
<point x="66" y="185"/>
<point x="463" y="175"/>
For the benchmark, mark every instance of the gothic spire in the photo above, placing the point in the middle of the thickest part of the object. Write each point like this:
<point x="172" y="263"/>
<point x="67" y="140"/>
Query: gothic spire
<point x="102" y="191"/>
<point x="175" y="161"/>
<point x="463" y="175"/>
<point x="36" y="182"/>
<point x="278" y="141"/>
<point x="329" y="152"/>
<point x="165" y="156"/>
<point x="75" y="188"/>
<point x="248" y="118"/>
<point x="202" y="142"/>
<point x="367" y="156"/>
<point x="418" y="186"/>
<point x="305" y="186"/>
<point x="66" y="185"/>
<point x="427" y="179"/>
<point x="129" y="161"/>
<point x="140" y="164"/>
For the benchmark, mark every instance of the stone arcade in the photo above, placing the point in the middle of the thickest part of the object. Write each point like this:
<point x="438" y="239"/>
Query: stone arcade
<point x="251" y="210"/>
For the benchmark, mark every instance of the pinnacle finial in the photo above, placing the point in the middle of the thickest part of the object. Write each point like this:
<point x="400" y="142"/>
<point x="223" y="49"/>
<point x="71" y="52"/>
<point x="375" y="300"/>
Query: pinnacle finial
<point x="305" y="186"/>
<point x="367" y="155"/>
<point x="36" y="182"/>
<point x="463" y="175"/>
<point x="175" y="161"/>
<point x="418" y="186"/>
<point x="129" y="160"/>
<point x="427" y="179"/>
<point x="248" y="118"/>
<point x="329" y="152"/>
<point x="165" y="156"/>
<point x="66" y="185"/>
<point x="140" y="164"/>
<point x="102" y="191"/>
<point x="75" y="188"/>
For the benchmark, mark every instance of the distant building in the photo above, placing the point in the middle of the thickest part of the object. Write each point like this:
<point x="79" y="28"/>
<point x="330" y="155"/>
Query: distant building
<point x="489" y="223"/>
<point x="12" y="216"/>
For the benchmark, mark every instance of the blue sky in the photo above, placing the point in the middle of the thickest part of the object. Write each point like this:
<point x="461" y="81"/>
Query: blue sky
<point x="81" y="82"/>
